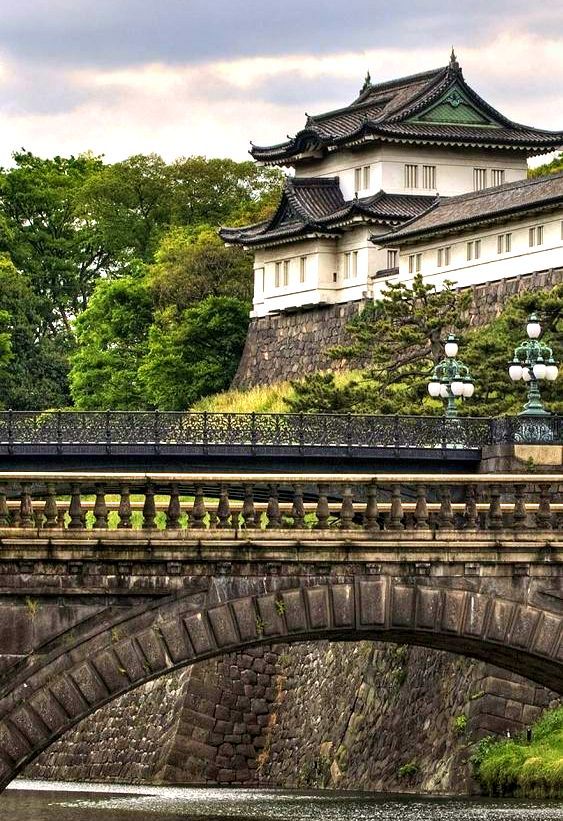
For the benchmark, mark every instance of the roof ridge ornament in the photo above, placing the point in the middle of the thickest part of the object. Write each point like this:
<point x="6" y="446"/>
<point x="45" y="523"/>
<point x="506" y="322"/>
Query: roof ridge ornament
<point x="454" y="65"/>
<point x="367" y="82"/>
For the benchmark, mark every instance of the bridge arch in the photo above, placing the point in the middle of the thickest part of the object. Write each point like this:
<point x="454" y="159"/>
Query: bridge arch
<point x="75" y="675"/>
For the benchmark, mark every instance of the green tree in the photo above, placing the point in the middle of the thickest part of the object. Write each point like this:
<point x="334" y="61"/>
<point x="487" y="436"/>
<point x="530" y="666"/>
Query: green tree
<point x="488" y="351"/>
<point x="192" y="264"/>
<point x="50" y="234"/>
<point x="397" y="339"/>
<point x="34" y="376"/>
<point x="553" y="167"/>
<point x="112" y="335"/>
<point x="218" y="191"/>
<point x="194" y="352"/>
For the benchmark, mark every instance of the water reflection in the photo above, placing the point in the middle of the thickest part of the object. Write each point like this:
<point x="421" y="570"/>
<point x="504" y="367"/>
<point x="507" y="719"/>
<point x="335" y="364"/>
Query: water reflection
<point x="42" y="801"/>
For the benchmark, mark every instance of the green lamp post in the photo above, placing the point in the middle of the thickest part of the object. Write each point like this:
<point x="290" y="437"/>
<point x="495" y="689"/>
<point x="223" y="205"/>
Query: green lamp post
<point x="451" y="379"/>
<point x="533" y="361"/>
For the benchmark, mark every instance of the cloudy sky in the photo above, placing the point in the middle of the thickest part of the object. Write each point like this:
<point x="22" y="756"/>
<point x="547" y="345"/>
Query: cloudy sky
<point x="181" y="77"/>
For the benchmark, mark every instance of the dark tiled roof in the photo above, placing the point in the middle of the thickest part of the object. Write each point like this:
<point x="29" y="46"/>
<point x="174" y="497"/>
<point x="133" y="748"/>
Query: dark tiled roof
<point x="384" y="112"/>
<point x="480" y="207"/>
<point x="316" y="205"/>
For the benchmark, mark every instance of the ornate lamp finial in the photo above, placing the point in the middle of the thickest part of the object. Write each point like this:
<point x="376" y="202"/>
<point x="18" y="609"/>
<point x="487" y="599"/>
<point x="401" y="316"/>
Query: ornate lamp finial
<point x="367" y="82"/>
<point x="454" y="65"/>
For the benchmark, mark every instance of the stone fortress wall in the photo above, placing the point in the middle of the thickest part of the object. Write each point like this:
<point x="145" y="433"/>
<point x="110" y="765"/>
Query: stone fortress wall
<point x="361" y="716"/>
<point x="285" y="346"/>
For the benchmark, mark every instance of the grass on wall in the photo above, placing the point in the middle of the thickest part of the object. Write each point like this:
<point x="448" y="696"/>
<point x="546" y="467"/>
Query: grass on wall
<point x="516" y="767"/>
<point x="260" y="399"/>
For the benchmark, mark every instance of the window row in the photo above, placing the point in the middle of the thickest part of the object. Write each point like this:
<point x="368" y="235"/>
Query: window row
<point x="485" y="178"/>
<point x="413" y="178"/>
<point x="282" y="270"/>
<point x="473" y="249"/>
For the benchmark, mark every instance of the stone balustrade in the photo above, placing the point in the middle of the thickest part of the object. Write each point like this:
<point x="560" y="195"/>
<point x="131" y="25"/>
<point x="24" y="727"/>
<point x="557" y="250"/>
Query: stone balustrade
<point x="257" y="502"/>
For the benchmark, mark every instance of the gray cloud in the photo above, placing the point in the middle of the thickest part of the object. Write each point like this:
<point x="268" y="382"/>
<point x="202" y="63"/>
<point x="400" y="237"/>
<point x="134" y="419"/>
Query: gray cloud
<point x="125" y="32"/>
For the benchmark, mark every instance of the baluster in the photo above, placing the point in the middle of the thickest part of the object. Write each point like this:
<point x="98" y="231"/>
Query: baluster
<point x="495" y="511"/>
<point x="248" y="512"/>
<point x="323" y="511"/>
<point x="61" y="517"/>
<point x="395" y="521"/>
<point x="50" y="509"/>
<point x="26" y="507"/>
<point x="37" y="518"/>
<point x="100" y="509"/>
<point x="213" y="520"/>
<point x="273" y="514"/>
<point x="372" y="511"/>
<point x="446" y="513"/>
<point x="174" y="511"/>
<point x="4" y="510"/>
<point x="198" y="510"/>
<point x="347" y="509"/>
<point x="15" y="517"/>
<point x="149" y="509"/>
<point x="520" y="514"/>
<point x="224" y="507"/>
<point x="470" y="513"/>
<point x="298" y="508"/>
<point x="421" y="509"/>
<point x="75" y="508"/>
<point x="543" y="515"/>
<point x="124" y="511"/>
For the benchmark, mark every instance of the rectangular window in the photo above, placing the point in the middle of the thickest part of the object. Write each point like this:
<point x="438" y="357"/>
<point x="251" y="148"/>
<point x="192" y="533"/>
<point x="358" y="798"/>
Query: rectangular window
<point x="497" y="176"/>
<point x="479" y="179"/>
<point x="286" y="273"/>
<point x="366" y="176"/>
<point x="470" y="251"/>
<point x="259" y="279"/>
<point x="477" y="249"/>
<point x="429" y="176"/>
<point x="411" y="176"/>
<point x="354" y="263"/>
<point x="277" y="278"/>
<point x="443" y="256"/>
<point x="357" y="179"/>
<point x="392" y="258"/>
<point x="347" y="265"/>
<point x="536" y="236"/>
<point x="504" y="243"/>
<point x="415" y="262"/>
<point x="302" y="269"/>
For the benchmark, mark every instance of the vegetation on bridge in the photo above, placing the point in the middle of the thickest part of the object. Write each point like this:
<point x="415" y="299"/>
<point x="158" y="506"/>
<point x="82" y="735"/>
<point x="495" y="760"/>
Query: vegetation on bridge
<point x="522" y="768"/>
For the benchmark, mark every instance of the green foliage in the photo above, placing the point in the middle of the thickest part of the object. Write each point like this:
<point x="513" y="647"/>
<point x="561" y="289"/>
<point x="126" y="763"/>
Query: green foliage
<point x="553" y="167"/>
<point x="398" y="339"/>
<point x="408" y="770"/>
<point x="71" y="227"/>
<point x="516" y="767"/>
<point x="460" y="724"/>
<point x="33" y="364"/>
<point x="112" y="336"/>
<point x="488" y="351"/>
<point x="193" y="264"/>
<point x="193" y="352"/>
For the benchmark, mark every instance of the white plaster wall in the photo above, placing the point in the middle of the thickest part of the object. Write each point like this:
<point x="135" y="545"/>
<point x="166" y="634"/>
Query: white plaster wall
<point x="522" y="259"/>
<point x="325" y="281"/>
<point x="454" y="168"/>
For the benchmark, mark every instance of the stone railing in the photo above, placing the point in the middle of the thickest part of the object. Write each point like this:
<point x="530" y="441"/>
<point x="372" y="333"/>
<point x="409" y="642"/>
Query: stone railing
<point x="320" y="502"/>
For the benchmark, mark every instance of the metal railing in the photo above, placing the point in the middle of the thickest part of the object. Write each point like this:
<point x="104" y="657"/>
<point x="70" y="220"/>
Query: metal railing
<point x="155" y="432"/>
<point x="246" y="501"/>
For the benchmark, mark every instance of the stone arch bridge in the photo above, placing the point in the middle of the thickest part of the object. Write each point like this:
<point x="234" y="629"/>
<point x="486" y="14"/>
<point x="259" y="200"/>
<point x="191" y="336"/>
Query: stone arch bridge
<point x="108" y="581"/>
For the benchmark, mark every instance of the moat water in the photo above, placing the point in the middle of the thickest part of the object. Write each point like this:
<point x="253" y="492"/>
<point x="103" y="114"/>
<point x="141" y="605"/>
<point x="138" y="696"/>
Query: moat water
<point x="41" y="801"/>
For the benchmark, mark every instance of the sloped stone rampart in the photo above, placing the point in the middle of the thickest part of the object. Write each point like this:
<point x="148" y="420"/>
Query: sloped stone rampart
<point x="348" y="716"/>
<point x="286" y="346"/>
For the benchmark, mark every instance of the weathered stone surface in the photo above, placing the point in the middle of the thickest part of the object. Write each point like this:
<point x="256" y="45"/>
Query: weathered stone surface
<point x="289" y="345"/>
